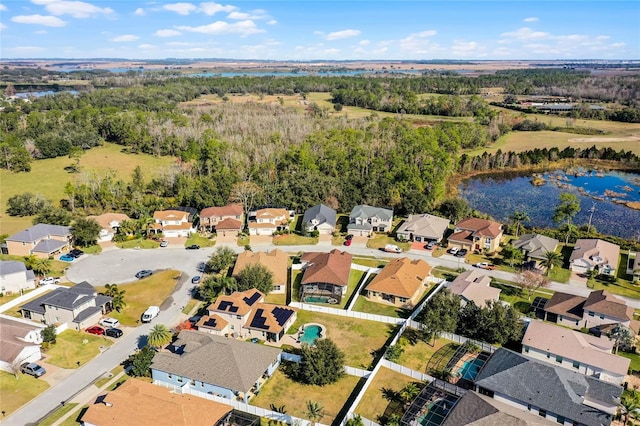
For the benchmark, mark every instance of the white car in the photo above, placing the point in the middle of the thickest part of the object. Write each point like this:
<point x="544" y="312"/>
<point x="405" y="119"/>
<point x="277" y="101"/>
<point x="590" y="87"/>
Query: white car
<point x="49" y="280"/>
<point x="109" y="322"/>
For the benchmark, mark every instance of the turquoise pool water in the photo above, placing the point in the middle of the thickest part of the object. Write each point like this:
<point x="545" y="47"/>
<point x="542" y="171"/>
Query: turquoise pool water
<point x="316" y="299"/>
<point x="470" y="369"/>
<point x="310" y="334"/>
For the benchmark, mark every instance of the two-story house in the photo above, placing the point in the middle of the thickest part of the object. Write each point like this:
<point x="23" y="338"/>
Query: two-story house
<point x="535" y="246"/>
<point x="15" y="277"/>
<point x="593" y="254"/>
<point x="41" y="240"/>
<point x="402" y="282"/>
<point x="79" y="306"/>
<point x="210" y="217"/>
<point x="476" y="234"/>
<point x="422" y="228"/>
<point x="633" y="266"/>
<point x="364" y="220"/>
<point x="276" y="261"/>
<point x="172" y="223"/>
<point x="320" y="218"/>
<point x="269" y="220"/>
<point x="19" y="342"/>
<point x="325" y="277"/>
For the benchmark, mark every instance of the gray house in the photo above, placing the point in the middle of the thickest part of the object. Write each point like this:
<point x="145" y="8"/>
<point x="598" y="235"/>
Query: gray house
<point x="79" y="306"/>
<point x="41" y="240"/>
<point x="364" y="220"/>
<point x="423" y="227"/>
<point x="15" y="277"/>
<point x="319" y="218"/>
<point x="535" y="246"/>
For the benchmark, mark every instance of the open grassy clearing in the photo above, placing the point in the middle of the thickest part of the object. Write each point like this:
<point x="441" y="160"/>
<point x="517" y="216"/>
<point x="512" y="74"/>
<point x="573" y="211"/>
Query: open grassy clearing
<point x="357" y="338"/>
<point x="200" y="240"/>
<point x="280" y="390"/>
<point x="74" y="346"/>
<point x="365" y="305"/>
<point x="48" y="177"/>
<point x="374" y="404"/>
<point x="138" y="243"/>
<point x="141" y="294"/>
<point x="14" y="393"/>
<point x="380" y="240"/>
<point x="293" y="240"/>
<point x="417" y="353"/>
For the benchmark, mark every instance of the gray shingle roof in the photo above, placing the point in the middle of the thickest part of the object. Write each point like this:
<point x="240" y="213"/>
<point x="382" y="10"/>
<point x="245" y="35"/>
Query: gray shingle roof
<point x="321" y="213"/>
<point x="8" y="267"/>
<point x="221" y="361"/>
<point x="554" y="389"/>
<point x="364" y="227"/>
<point x="66" y="298"/>
<point x="39" y="231"/>
<point x="49" y="246"/>
<point x="536" y="245"/>
<point x="366" y="211"/>
<point x="86" y="313"/>
<point x="424" y="225"/>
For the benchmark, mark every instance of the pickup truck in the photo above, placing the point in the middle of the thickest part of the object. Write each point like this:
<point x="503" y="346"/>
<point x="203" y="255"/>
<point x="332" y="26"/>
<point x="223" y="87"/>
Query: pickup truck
<point x="150" y="313"/>
<point x="484" y="265"/>
<point x="392" y="248"/>
<point x="49" y="280"/>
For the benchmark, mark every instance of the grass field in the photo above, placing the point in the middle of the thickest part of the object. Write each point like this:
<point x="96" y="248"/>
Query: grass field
<point x="293" y="240"/>
<point x="75" y="346"/>
<point x="200" y="240"/>
<point x="374" y="404"/>
<point x="59" y="413"/>
<point x="48" y="177"/>
<point x="14" y="393"/>
<point x="138" y="243"/>
<point x="416" y="355"/>
<point x="141" y="294"/>
<point x="380" y="240"/>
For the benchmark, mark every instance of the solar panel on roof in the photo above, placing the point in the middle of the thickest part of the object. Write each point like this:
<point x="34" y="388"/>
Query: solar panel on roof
<point x="253" y="299"/>
<point x="211" y="322"/>
<point x="226" y="305"/>
<point x="282" y="315"/>
<point x="259" y="320"/>
<point x="539" y="303"/>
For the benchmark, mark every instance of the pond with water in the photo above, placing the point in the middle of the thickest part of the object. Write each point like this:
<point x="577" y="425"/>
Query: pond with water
<point x="501" y="195"/>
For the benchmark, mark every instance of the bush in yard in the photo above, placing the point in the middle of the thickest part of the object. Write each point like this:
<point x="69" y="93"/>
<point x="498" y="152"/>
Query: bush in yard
<point x="255" y="276"/>
<point x="140" y="362"/>
<point x="321" y="364"/>
<point x="49" y="334"/>
<point x="394" y="352"/>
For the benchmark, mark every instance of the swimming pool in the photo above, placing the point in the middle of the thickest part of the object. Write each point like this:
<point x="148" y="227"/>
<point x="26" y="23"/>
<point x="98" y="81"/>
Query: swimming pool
<point x="311" y="334"/>
<point x="470" y="368"/>
<point x="316" y="299"/>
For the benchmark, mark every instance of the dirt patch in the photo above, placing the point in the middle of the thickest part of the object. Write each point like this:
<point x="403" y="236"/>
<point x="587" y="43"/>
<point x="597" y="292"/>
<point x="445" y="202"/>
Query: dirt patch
<point x="596" y="140"/>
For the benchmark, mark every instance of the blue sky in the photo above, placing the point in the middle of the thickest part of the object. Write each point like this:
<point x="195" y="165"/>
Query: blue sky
<point x="302" y="29"/>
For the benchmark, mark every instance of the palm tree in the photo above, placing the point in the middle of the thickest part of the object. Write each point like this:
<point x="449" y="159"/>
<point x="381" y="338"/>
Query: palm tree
<point x="40" y="266"/>
<point x="630" y="405"/>
<point x="409" y="392"/>
<point x="551" y="259"/>
<point x="159" y="336"/>
<point x="117" y="296"/>
<point x="315" y="411"/>
<point x="227" y="285"/>
<point x="591" y="277"/>
<point x="518" y="218"/>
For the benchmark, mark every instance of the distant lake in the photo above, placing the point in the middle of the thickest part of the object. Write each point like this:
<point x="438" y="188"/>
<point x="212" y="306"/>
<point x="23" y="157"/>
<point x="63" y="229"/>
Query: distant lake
<point x="41" y="93"/>
<point x="501" y="195"/>
<point x="336" y="73"/>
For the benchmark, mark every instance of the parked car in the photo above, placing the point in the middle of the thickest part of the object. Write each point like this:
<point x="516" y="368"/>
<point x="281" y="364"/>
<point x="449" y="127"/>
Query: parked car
<point x="32" y="369"/>
<point x="431" y="245"/>
<point x="150" y="313"/>
<point x="144" y="273"/>
<point x="461" y="253"/>
<point x="392" y="248"/>
<point x="347" y="242"/>
<point x="67" y="258"/>
<point x="113" y="332"/>
<point x="76" y="253"/>
<point x="201" y="267"/>
<point x="164" y="243"/>
<point x="195" y="280"/>
<point x="453" y="250"/>
<point x="349" y="237"/>
<point x="484" y="265"/>
<point x="109" y="322"/>
<point x="96" y="330"/>
<point x="50" y="280"/>
<point x="193" y="247"/>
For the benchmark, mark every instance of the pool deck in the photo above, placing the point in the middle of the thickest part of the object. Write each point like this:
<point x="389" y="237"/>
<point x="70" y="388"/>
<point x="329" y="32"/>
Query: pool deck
<point x="292" y="339"/>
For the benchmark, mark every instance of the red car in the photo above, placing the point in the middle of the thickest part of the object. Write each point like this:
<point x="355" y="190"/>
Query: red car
<point x="347" y="243"/>
<point x="96" y="330"/>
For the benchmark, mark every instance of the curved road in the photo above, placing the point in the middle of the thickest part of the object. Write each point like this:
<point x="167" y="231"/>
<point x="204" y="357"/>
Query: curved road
<point x="119" y="266"/>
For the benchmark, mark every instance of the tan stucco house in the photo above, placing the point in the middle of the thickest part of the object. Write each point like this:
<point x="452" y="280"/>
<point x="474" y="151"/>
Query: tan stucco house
<point x="402" y="282"/>
<point x="476" y="234"/>
<point x="41" y="240"/>
<point x="275" y="261"/>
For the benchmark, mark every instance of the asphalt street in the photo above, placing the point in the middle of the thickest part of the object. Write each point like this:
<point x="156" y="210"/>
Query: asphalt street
<point x="119" y="266"/>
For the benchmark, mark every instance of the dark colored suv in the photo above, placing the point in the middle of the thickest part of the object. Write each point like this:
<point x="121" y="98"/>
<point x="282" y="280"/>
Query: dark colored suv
<point x="76" y="253"/>
<point x="461" y="253"/>
<point x="113" y="332"/>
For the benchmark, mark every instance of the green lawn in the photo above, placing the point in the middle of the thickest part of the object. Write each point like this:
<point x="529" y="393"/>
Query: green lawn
<point x="199" y="240"/>
<point x="365" y="305"/>
<point x="94" y="249"/>
<point x="293" y="240"/>
<point x="560" y="275"/>
<point x="378" y="241"/>
<point x="141" y="294"/>
<point x="417" y="352"/>
<point x="280" y="390"/>
<point x="518" y="297"/>
<point x="60" y="412"/>
<point x="277" y="299"/>
<point x="141" y="243"/>
<point x="620" y="287"/>
<point x="374" y="404"/>
<point x="635" y="360"/>
<point x="357" y="338"/>
<point x="103" y="381"/>
<point x="190" y="306"/>
<point x="370" y="262"/>
<point x="14" y="393"/>
<point x="75" y="346"/>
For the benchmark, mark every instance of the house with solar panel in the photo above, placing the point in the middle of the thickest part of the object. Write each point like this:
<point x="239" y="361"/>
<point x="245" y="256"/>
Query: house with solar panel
<point x="41" y="240"/>
<point x="245" y="315"/>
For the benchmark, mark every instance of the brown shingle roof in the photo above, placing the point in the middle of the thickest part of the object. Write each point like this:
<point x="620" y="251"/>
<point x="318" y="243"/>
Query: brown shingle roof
<point x="332" y="268"/>
<point x="603" y="302"/>
<point x="228" y="210"/>
<point x="401" y="277"/>
<point x="229" y="223"/>
<point x="567" y="305"/>
<point x="270" y="213"/>
<point x="171" y="215"/>
<point x="105" y="219"/>
<point x="213" y="322"/>
<point x="275" y="261"/>
<point x="481" y="227"/>
<point x="461" y="237"/>
<point x="596" y="252"/>
<point x="140" y="402"/>
<point x="474" y="286"/>
<point x="238" y="303"/>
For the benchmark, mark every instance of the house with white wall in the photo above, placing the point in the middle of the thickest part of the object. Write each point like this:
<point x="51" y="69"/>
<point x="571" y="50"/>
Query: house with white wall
<point x="15" y="277"/>
<point x="19" y="342"/>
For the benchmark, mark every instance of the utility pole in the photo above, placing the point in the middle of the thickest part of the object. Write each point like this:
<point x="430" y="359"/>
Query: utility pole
<point x="591" y="210"/>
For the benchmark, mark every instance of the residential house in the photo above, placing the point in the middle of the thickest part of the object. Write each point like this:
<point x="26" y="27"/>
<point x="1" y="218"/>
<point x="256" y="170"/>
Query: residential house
<point x="217" y="365"/>
<point x="79" y="306"/>
<point x="15" y="277"/>
<point x="326" y="276"/>
<point x="473" y="286"/>
<point x="230" y="227"/>
<point x="154" y="405"/>
<point x="41" y="240"/>
<point x="245" y="315"/>
<point x="320" y="218"/>
<point x="19" y="342"/>
<point x="573" y="350"/>
<point x="364" y="220"/>
<point x="269" y="220"/>
<point x="565" y="309"/>
<point x="535" y="246"/>
<point x="603" y="308"/>
<point x="552" y="392"/>
<point x="633" y="266"/>
<point x="423" y="228"/>
<point x="172" y="223"/>
<point x="109" y="223"/>
<point x="210" y="217"/>
<point x="276" y="261"/>
<point x="598" y="255"/>
<point x="401" y="283"/>
<point x="476" y="234"/>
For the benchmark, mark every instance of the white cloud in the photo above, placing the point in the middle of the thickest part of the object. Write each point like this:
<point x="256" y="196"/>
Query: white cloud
<point x="125" y="38"/>
<point x="3" y="7"/>
<point x="211" y="8"/>
<point x="254" y="15"/>
<point x="531" y="19"/>
<point x="47" y="21"/>
<point x="331" y="51"/>
<point x="338" y="35"/>
<point x="146" y="46"/>
<point x="180" y="8"/>
<point x="221" y="27"/>
<point x="25" y="50"/>
<point x="419" y="43"/>
<point x="3" y="26"/>
<point x="466" y="48"/>
<point x="167" y="33"/>
<point x="364" y="42"/>
<point x="178" y="43"/>
<point x="272" y="22"/>
<point x="139" y="12"/>
<point x="77" y="9"/>
<point x="525" y="33"/>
